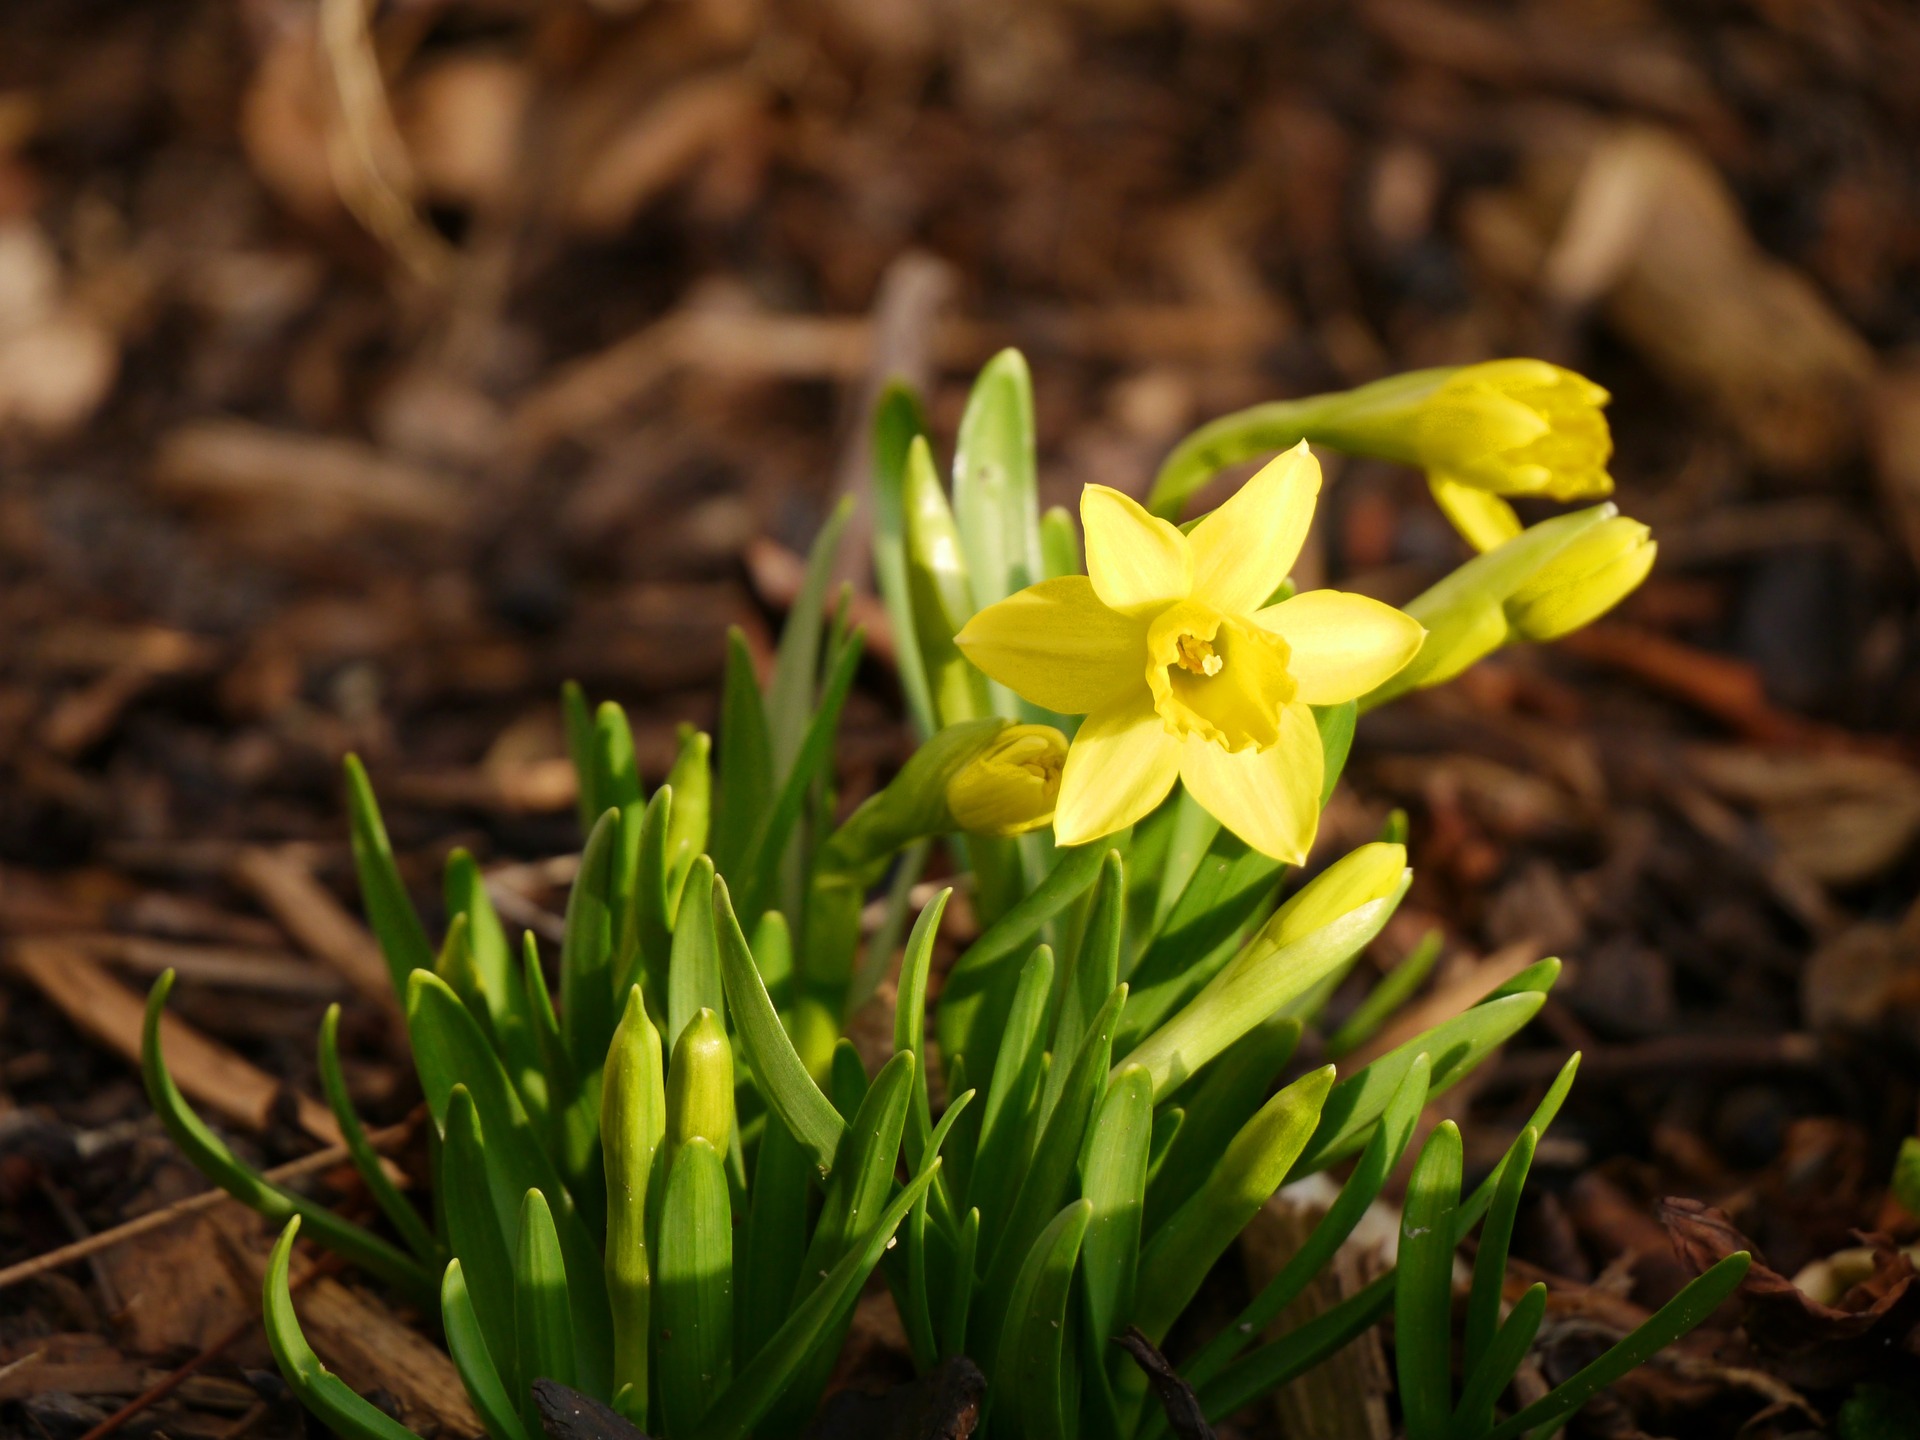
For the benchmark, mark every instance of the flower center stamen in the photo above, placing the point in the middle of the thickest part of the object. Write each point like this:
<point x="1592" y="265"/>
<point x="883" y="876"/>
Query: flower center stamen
<point x="1197" y="656"/>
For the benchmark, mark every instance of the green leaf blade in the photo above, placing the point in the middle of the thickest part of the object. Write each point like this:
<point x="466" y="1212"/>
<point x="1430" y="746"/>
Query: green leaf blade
<point x="319" y="1389"/>
<point x="778" y="1071"/>
<point x="694" y="1334"/>
<point x="542" y="1324"/>
<point x="1423" y="1293"/>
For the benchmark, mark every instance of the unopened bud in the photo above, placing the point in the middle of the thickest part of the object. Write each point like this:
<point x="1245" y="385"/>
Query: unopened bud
<point x="1370" y="873"/>
<point x="1587" y="578"/>
<point x="700" y="1084"/>
<point x="1509" y="593"/>
<point x="632" y="1121"/>
<point x="1010" y="787"/>
<point x="991" y="776"/>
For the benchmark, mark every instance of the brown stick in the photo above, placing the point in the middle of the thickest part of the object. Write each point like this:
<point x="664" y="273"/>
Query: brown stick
<point x="1668" y="1055"/>
<point x="391" y="1136"/>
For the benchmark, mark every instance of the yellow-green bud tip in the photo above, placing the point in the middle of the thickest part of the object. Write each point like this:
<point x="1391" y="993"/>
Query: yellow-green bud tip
<point x="1583" y="581"/>
<point x="700" y="1084"/>
<point x="1010" y="787"/>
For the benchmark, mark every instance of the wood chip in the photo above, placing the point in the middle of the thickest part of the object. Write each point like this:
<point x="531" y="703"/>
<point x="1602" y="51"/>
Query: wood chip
<point x="659" y="146"/>
<point x="320" y="924"/>
<point x="269" y="972"/>
<point x="1345" y="1397"/>
<point x="334" y="482"/>
<point x="208" y="1073"/>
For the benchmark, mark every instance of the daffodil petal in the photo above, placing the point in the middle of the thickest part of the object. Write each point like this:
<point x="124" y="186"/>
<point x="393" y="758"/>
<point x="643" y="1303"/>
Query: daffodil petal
<point x="1244" y="549"/>
<point x="1481" y="516"/>
<point x="1343" y="645"/>
<point x="1121" y="764"/>
<point x="1478" y="420"/>
<point x="1136" y="560"/>
<point x="1055" y="644"/>
<point x="1269" y="798"/>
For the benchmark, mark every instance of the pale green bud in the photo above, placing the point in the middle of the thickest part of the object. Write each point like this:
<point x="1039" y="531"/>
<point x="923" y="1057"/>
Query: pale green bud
<point x="1470" y="613"/>
<point x="700" y="1084"/>
<point x="1505" y="427"/>
<point x="1010" y="786"/>
<point x="1587" y="578"/>
<point x="633" y="1120"/>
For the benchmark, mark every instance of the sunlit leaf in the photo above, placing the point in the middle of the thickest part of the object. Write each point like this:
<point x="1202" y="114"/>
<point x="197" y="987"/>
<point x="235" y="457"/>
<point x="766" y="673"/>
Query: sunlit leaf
<point x="319" y="1389"/>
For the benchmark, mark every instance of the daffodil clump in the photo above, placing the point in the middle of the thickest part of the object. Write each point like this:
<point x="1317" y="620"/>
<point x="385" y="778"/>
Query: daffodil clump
<point x="664" y="1183"/>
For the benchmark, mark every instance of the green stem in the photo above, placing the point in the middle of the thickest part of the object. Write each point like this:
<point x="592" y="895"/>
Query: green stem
<point x="1258" y="430"/>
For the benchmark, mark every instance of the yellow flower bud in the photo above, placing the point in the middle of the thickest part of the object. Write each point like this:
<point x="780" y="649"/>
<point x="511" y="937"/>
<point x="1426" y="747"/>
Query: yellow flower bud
<point x="1516" y="427"/>
<point x="1370" y="873"/>
<point x="1587" y="578"/>
<point x="1551" y="578"/>
<point x="1010" y="787"/>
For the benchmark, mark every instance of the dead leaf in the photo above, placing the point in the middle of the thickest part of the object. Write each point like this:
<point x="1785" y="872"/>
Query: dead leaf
<point x="1875" y="1326"/>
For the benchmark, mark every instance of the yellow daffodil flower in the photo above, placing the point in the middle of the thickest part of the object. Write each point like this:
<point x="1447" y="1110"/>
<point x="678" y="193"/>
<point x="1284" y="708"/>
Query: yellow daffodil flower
<point x="1183" y="671"/>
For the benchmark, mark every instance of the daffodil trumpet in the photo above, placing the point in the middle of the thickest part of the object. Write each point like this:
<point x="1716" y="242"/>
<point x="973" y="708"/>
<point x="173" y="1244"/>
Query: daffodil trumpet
<point x="1182" y="669"/>
<point x="1481" y="433"/>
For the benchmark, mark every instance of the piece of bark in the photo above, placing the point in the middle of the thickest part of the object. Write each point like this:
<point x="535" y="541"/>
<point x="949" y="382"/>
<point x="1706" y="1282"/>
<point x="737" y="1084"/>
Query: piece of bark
<point x="1634" y="221"/>
<point x="268" y="972"/>
<point x="34" y="1376"/>
<point x="1843" y="819"/>
<point x="323" y="483"/>
<point x="1866" y="979"/>
<point x="178" y="1210"/>
<point x="205" y="1070"/>
<point x="178" y="1291"/>
<point x="660" y="145"/>
<point x="308" y="912"/>
<point x="1345" y="1398"/>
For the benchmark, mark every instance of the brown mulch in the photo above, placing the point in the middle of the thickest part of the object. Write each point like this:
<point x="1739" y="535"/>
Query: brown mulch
<point x="358" y="386"/>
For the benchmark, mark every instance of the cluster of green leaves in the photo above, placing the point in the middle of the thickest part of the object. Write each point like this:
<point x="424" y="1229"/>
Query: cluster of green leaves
<point x="666" y="1185"/>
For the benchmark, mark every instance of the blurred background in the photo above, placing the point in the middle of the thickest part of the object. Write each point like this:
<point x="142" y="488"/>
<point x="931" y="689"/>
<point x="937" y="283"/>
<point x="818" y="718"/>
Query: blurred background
<point x="364" y="377"/>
